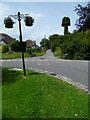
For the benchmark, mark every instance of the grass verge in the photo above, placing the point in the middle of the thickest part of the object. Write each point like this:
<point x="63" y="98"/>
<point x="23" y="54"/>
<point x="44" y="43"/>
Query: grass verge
<point x="40" y="96"/>
<point x="14" y="55"/>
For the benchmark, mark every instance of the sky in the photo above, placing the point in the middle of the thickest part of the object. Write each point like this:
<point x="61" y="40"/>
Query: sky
<point x="47" y="18"/>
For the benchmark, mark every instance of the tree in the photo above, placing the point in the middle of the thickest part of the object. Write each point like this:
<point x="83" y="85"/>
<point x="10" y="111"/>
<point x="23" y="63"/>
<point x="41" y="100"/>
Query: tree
<point x="83" y="23"/>
<point x="16" y="46"/>
<point x="45" y="43"/>
<point x="65" y="24"/>
<point x="53" y="47"/>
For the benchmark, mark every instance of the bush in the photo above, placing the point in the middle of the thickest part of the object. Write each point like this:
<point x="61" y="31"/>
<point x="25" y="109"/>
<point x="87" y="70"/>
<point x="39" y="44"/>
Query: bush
<point x="4" y="48"/>
<point x="57" y="51"/>
<point x="73" y="46"/>
<point x="16" y="46"/>
<point x="39" y="49"/>
<point x="53" y="48"/>
<point x="12" y="46"/>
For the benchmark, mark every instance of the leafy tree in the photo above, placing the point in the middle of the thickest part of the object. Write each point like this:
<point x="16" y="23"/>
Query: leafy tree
<point x="53" y="47"/>
<point x="42" y="42"/>
<point x="16" y="46"/>
<point x="65" y="24"/>
<point x="45" y="43"/>
<point x="54" y="39"/>
<point x="39" y="49"/>
<point x="83" y="23"/>
<point x="72" y="46"/>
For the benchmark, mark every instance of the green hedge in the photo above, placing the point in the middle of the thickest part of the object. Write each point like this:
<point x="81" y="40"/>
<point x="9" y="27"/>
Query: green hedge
<point x="73" y="46"/>
<point x="17" y="46"/>
<point x="4" y="48"/>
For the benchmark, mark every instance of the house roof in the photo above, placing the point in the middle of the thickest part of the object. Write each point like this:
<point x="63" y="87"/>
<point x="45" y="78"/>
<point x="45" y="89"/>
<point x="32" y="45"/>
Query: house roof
<point x="30" y="43"/>
<point x="6" y="38"/>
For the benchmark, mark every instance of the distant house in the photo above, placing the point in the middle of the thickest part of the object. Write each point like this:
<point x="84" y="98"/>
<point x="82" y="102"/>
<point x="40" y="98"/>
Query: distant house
<point x="30" y="44"/>
<point x="5" y="39"/>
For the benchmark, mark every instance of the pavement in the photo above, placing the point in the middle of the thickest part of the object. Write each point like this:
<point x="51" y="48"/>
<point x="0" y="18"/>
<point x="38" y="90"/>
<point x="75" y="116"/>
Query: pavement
<point x="72" y="71"/>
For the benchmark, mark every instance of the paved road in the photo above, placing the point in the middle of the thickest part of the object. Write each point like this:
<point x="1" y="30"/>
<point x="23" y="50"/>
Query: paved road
<point x="75" y="70"/>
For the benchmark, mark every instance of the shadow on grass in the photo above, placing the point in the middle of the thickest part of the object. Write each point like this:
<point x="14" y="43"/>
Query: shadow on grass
<point x="33" y="73"/>
<point x="9" y="77"/>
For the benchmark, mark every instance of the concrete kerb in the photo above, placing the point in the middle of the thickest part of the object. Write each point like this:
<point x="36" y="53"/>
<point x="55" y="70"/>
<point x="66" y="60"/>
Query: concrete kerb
<point x="28" y="59"/>
<point x="63" y="78"/>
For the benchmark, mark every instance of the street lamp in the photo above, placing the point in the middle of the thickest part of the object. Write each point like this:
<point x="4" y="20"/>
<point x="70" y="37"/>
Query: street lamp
<point x="9" y="24"/>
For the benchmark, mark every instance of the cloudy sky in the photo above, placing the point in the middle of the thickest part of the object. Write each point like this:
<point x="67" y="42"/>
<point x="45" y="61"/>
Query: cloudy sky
<point x="48" y="17"/>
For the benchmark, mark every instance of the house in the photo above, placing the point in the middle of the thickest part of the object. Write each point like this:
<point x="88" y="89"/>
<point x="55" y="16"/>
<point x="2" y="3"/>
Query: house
<point x="5" y="39"/>
<point x="30" y="44"/>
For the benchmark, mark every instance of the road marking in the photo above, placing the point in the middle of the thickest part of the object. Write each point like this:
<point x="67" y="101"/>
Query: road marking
<point x="48" y="63"/>
<point x="39" y="64"/>
<point x="57" y="60"/>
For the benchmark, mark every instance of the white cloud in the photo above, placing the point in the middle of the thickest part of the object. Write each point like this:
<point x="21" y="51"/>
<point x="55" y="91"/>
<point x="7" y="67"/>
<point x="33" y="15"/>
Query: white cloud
<point x="37" y="16"/>
<point x="37" y="31"/>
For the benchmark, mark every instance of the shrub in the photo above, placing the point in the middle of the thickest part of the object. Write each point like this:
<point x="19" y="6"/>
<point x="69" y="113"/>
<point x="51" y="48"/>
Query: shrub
<point x="53" y="48"/>
<point x="12" y="46"/>
<point x="57" y="51"/>
<point x="4" y="48"/>
<point x="39" y="49"/>
<point x="73" y="46"/>
<point x="16" y="46"/>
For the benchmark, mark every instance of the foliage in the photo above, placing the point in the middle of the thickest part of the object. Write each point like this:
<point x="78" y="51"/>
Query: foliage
<point x="73" y="46"/>
<point x="4" y="48"/>
<point x="65" y="24"/>
<point x="17" y="47"/>
<point x="57" y="51"/>
<point x="66" y="21"/>
<point x="35" y="51"/>
<point x="55" y="39"/>
<point x="28" y="20"/>
<point x="39" y="49"/>
<point x="83" y="23"/>
<point x="53" y="47"/>
<point x="45" y="43"/>
<point x="8" y="22"/>
<point x="13" y="46"/>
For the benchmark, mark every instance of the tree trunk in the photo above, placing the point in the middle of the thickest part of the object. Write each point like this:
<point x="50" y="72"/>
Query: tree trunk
<point x="65" y="30"/>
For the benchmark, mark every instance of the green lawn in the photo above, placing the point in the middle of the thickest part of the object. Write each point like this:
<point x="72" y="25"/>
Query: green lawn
<point x="39" y="53"/>
<point x="40" y="96"/>
<point x="12" y="55"/>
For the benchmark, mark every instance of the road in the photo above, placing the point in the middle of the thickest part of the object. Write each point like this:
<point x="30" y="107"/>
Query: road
<point x="75" y="70"/>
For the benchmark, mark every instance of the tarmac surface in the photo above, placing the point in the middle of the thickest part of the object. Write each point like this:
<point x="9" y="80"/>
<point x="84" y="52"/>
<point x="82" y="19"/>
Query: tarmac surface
<point x="73" y="71"/>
